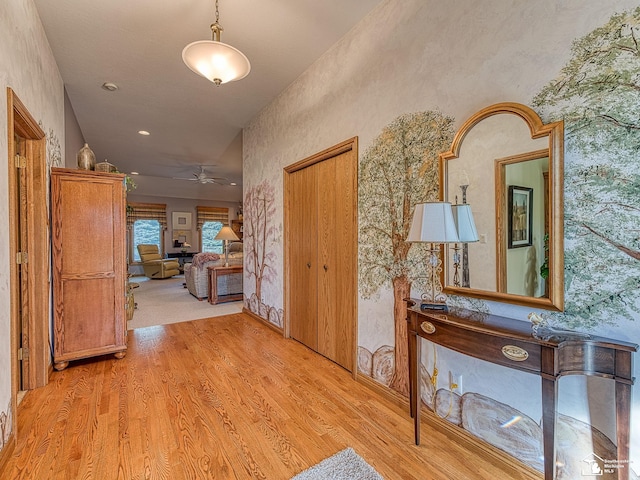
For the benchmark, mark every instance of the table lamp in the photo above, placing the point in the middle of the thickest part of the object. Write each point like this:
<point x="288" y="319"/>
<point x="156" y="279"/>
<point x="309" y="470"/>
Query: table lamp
<point x="467" y="233"/>
<point x="226" y="234"/>
<point x="433" y="223"/>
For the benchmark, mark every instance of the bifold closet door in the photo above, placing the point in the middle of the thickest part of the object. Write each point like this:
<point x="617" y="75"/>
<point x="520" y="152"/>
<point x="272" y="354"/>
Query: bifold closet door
<point x="303" y="214"/>
<point x="337" y="241"/>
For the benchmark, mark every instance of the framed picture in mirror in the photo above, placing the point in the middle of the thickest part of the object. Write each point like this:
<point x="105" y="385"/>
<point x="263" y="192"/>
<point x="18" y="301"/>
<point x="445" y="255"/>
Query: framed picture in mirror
<point x="520" y="215"/>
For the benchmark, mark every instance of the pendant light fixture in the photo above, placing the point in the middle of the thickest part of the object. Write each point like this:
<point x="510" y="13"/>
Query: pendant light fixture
<point x="214" y="60"/>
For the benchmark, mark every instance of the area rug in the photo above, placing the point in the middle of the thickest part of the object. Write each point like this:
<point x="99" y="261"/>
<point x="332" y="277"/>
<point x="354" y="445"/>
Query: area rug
<point x="164" y="301"/>
<point x="344" y="465"/>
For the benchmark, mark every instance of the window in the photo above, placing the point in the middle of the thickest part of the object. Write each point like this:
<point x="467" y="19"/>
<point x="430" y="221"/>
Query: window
<point x="146" y="232"/>
<point x="209" y="232"/>
<point x="209" y="222"/>
<point x="146" y="223"/>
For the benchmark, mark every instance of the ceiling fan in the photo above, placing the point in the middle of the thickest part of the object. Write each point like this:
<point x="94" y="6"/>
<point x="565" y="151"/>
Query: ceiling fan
<point x="201" y="177"/>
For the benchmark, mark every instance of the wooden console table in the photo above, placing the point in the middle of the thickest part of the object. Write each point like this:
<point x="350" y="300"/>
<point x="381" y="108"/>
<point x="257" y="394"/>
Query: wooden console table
<point x="550" y="354"/>
<point x="215" y="273"/>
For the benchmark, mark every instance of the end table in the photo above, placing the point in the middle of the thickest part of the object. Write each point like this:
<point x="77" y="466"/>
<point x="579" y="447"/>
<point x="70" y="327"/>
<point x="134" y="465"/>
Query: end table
<point x="223" y="287"/>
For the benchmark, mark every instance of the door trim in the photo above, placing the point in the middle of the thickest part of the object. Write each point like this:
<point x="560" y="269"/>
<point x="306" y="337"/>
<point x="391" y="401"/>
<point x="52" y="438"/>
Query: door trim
<point x="20" y="122"/>
<point x="343" y="147"/>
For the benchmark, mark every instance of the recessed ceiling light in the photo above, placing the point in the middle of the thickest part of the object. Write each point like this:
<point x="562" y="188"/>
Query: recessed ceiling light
<point x="112" y="87"/>
<point x="233" y="184"/>
<point x="143" y="132"/>
<point x="135" y="173"/>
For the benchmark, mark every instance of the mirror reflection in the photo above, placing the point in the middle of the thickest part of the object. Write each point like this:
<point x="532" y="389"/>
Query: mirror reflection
<point x="508" y="166"/>
<point x="520" y="196"/>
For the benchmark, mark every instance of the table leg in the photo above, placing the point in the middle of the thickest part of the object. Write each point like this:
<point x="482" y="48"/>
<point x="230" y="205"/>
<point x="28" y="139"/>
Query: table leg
<point x="549" y="408"/>
<point x="623" y="413"/>
<point x="415" y="382"/>
<point x="411" y="339"/>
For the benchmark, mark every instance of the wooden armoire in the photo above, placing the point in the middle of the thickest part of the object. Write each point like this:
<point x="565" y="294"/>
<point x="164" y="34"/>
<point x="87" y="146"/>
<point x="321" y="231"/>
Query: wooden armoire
<point x="321" y="252"/>
<point x="88" y="234"/>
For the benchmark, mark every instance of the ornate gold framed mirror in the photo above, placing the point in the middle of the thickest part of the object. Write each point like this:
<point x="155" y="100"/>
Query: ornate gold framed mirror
<point x="508" y="166"/>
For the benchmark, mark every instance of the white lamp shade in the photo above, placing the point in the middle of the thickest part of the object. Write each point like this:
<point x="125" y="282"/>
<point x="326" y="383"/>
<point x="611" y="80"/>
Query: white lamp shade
<point x="226" y="233"/>
<point x="464" y="223"/>
<point x="216" y="61"/>
<point x="433" y="222"/>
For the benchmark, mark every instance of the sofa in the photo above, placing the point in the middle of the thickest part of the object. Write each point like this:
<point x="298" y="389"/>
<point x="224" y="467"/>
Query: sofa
<point x="154" y="265"/>
<point x="196" y="275"/>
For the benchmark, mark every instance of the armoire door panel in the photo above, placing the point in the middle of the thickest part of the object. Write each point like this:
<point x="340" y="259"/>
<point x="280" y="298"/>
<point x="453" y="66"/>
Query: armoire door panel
<point x="304" y="262"/>
<point x="86" y="303"/>
<point x="87" y="254"/>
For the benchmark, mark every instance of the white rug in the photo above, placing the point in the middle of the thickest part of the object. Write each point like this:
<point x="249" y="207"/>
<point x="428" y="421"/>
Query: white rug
<point x="166" y="301"/>
<point x="344" y="465"/>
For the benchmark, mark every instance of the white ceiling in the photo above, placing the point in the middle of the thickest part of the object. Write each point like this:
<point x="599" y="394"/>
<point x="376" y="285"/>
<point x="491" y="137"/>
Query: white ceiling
<point x="138" y="46"/>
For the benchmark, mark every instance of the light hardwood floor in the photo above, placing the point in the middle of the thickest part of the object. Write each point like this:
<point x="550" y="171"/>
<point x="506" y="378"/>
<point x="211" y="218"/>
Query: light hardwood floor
<point x="223" y="398"/>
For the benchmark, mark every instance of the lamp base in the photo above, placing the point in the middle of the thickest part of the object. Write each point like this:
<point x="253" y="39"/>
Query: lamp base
<point x="434" y="306"/>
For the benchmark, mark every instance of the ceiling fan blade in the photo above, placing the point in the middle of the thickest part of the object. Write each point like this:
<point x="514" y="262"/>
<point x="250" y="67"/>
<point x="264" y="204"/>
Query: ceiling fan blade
<point x="202" y="178"/>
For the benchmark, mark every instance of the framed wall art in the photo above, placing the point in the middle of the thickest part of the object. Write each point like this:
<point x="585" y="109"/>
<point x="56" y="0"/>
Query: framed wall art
<point x="181" y="221"/>
<point x="520" y="215"/>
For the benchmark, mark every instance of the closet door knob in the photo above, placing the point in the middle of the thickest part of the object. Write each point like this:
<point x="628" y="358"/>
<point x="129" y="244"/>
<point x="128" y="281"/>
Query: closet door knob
<point x="308" y="264"/>
<point x="325" y="268"/>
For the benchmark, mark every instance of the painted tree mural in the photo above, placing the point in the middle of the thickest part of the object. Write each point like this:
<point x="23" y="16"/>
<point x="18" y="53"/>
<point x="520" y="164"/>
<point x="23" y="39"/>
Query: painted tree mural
<point x="54" y="152"/>
<point x="598" y="94"/>
<point x="259" y="235"/>
<point x="399" y="170"/>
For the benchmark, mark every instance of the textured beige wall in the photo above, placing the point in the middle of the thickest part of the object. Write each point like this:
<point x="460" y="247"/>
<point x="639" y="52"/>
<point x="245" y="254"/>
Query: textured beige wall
<point x="28" y="67"/>
<point x="416" y="55"/>
<point x="74" y="140"/>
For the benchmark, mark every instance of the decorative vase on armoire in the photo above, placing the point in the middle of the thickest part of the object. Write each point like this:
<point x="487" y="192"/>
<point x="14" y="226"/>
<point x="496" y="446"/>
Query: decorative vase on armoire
<point x="86" y="158"/>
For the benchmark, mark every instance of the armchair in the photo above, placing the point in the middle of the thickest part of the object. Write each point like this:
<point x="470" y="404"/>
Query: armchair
<point x="154" y="265"/>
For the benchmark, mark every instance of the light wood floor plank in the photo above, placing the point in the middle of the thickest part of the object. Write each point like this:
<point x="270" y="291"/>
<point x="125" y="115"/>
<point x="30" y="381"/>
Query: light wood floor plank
<point x="222" y="398"/>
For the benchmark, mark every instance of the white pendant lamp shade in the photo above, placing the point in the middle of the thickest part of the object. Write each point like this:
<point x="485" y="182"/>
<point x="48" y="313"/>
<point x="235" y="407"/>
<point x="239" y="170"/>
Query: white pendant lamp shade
<point x="464" y="223"/>
<point x="433" y="222"/>
<point x="216" y="61"/>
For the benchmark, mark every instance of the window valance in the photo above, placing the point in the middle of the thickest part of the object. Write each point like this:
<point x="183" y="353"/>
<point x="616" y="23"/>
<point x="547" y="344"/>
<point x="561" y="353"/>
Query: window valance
<point x="211" y="214"/>
<point x="147" y="211"/>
